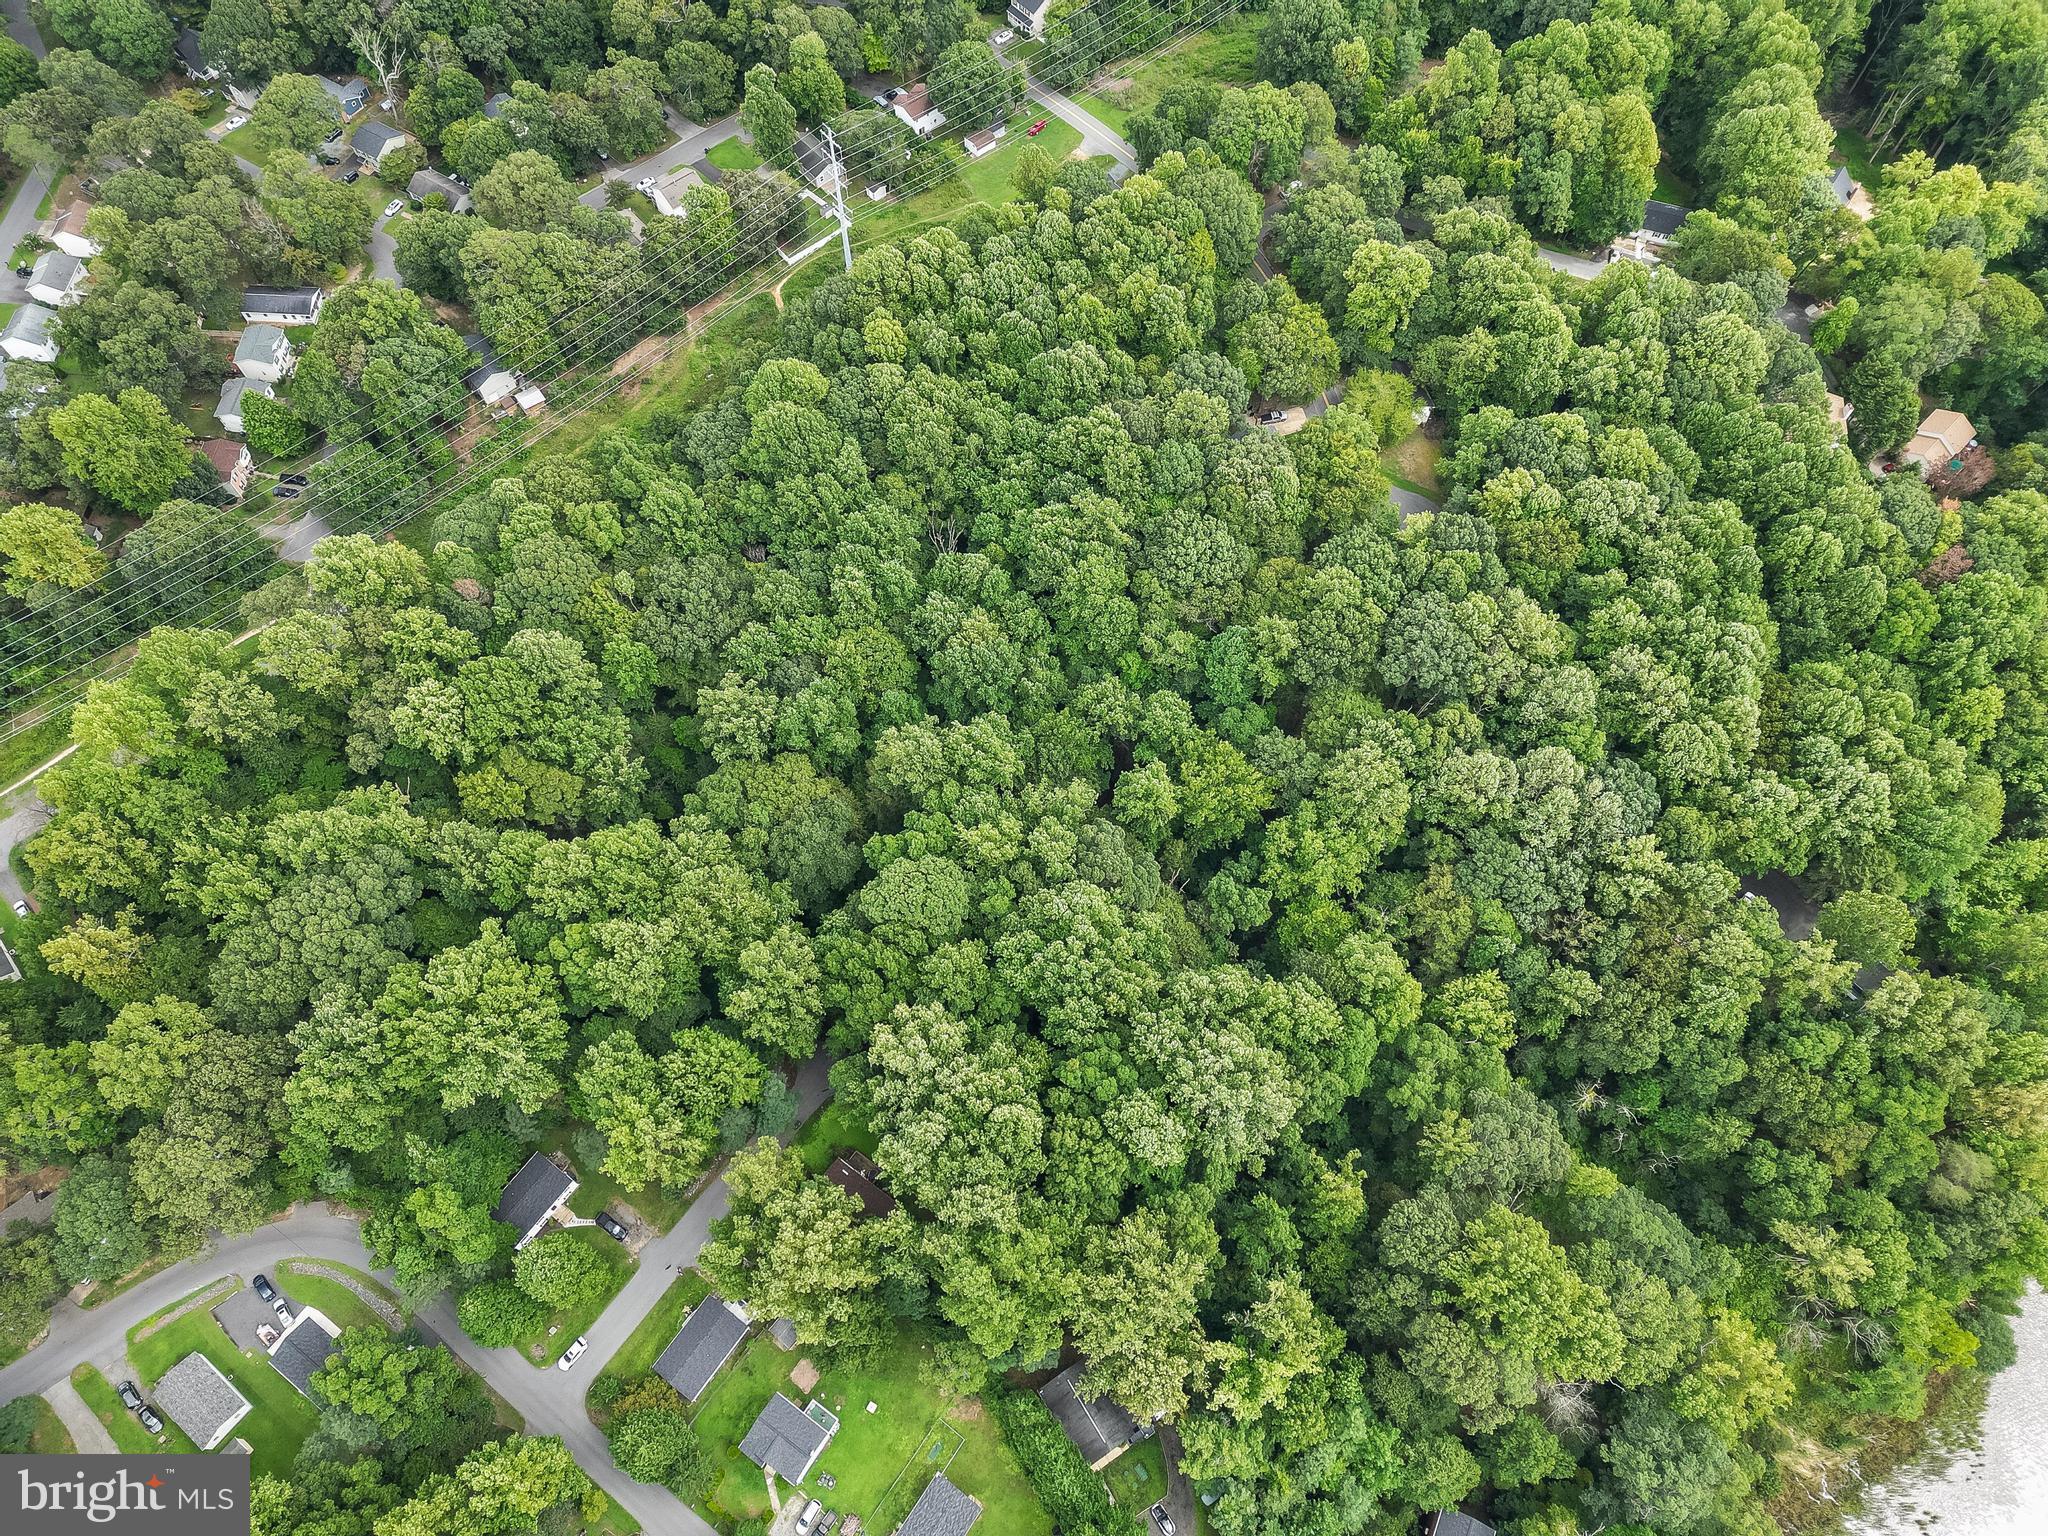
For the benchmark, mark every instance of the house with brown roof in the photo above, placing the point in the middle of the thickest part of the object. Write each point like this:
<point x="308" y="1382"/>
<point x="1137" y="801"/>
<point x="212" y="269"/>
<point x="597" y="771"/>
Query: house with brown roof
<point x="854" y="1171"/>
<point x="917" y="111"/>
<point x="66" y="231"/>
<point x="230" y="460"/>
<point x="1943" y="438"/>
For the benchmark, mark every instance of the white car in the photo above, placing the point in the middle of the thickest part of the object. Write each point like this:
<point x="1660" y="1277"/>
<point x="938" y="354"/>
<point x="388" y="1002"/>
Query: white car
<point x="393" y="206"/>
<point x="20" y="908"/>
<point x="230" y="124"/>
<point x="573" y="1353"/>
<point x="808" y="1520"/>
<point x="997" y="39"/>
<point x="644" y="185"/>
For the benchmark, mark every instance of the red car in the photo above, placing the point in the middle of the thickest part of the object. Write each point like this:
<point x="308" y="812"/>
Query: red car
<point x="1036" y="129"/>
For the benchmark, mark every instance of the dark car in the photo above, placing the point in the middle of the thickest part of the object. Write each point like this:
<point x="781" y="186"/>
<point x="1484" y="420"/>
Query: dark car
<point x="24" y="271"/>
<point x="295" y="479"/>
<point x="352" y="175"/>
<point x="286" y="492"/>
<point x="611" y="1226"/>
<point x="149" y="1419"/>
<point x="130" y="1398"/>
<point x="262" y="1286"/>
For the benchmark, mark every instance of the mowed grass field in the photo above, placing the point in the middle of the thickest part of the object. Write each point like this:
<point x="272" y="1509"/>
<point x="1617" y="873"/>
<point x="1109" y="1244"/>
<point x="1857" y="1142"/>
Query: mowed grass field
<point x="1226" y="52"/>
<point x="279" y="1419"/>
<point x="880" y="1461"/>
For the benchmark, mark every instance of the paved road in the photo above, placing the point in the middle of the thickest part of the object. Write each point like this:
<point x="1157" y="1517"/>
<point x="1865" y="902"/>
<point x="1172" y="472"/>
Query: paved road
<point x="384" y="250"/>
<point x="692" y="143"/>
<point x="1097" y="137"/>
<point x="1572" y="266"/>
<point x="21" y="818"/>
<point x="551" y="1401"/>
<point x="21" y="29"/>
<point x="87" y="1432"/>
<point x="295" y="539"/>
<point x="20" y="220"/>
<point x="1408" y="504"/>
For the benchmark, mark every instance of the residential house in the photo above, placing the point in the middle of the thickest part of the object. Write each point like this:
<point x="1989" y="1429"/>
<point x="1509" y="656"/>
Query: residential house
<point x="245" y="96"/>
<point x="494" y="106"/>
<point x="303" y="1348"/>
<point x="282" y="306"/>
<point x="1028" y="16"/>
<point x="427" y="183"/>
<point x="787" y="1440"/>
<point x="66" y="231"/>
<point x="231" y="461"/>
<point x="711" y="1333"/>
<point x="530" y="399"/>
<point x="667" y="191"/>
<point x="541" y="1187"/>
<point x="854" y="1171"/>
<point x="350" y="95"/>
<point x="1101" y="1430"/>
<point x="941" y="1510"/>
<point x="917" y="111"/>
<point x="1653" y="233"/>
<point x="30" y="336"/>
<point x="191" y="59"/>
<point x="372" y="141"/>
<point x="57" y="279"/>
<point x="1839" y="412"/>
<point x="199" y="1400"/>
<point x="820" y="167"/>
<point x="1850" y="194"/>
<point x="233" y="401"/>
<point x="490" y="380"/>
<point x="263" y="352"/>
<point x="982" y="143"/>
<point x="1451" y="1522"/>
<point x="1941" y="441"/>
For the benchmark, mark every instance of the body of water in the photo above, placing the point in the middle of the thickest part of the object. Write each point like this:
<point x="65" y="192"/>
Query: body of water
<point x="1985" y="1477"/>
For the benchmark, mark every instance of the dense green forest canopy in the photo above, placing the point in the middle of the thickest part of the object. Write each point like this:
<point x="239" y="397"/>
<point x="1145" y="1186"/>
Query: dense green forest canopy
<point x="1535" y="1003"/>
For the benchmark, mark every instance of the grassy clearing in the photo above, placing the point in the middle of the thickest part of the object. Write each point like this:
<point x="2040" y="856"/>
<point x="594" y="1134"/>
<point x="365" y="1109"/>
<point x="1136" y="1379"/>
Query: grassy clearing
<point x="1857" y="152"/>
<point x="1137" y="1479"/>
<point x="1227" y="52"/>
<point x="597" y="1190"/>
<point x="880" y="1461"/>
<point x="344" y="1308"/>
<point x="545" y="1346"/>
<point x="830" y="1130"/>
<point x="127" y="1430"/>
<point x="49" y="1437"/>
<point x="644" y="1345"/>
<point x="247" y="143"/>
<point x="733" y="155"/>
<point x="1412" y="465"/>
<point x="279" y="1418"/>
<point x="1672" y="187"/>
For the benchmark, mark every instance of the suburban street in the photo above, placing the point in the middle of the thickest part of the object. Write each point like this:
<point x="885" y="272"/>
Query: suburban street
<point x="1097" y="137"/>
<point x="20" y="221"/>
<point x="691" y="145"/>
<point x="550" y="1401"/>
<point x="1572" y="266"/>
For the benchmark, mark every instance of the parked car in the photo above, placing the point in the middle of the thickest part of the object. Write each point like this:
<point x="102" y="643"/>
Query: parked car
<point x="1165" y="1520"/>
<point x="393" y="206"/>
<point x="295" y="479"/>
<point x="1036" y="129"/>
<point x="808" y="1520"/>
<point x="149" y="1419"/>
<point x="130" y="1398"/>
<point x="997" y="39"/>
<point x="889" y="96"/>
<point x="20" y="907"/>
<point x="1271" y="418"/>
<point x="352" y="175"/>
<point x="25" y="271"/>
<point x="644" y="186"/>
<point x="286" y="492"/>
<point x="233" y="122"/>
<point x="262" y="1287"/>
<point x="573" y="1353"/>
<point x="611" y="1226"/>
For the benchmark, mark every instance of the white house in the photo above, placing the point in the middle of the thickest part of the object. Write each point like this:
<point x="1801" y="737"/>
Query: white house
<point x="490" y="380"/>
<point x="190" y="59"/>
<point x="1028" y="16"/>
<point x="429" y="183"/>
<point x="58" y="278"/>
<point x="263" y="352"/>
<point x="531" y="1197"/>
<point x="232" y="394"/>
<point x="66" y="231"/>
<point x="373" y="141"/>
<point x="666" y="192"/>
<point x="282" y="306"/>
<point x="982" y="143"/>
<point x="231" y="461"/>
<point x="1648" y="241"/>
<point x="29" y="336"/>
<point x="914" y="107"/>
<point x="530" y="399"/>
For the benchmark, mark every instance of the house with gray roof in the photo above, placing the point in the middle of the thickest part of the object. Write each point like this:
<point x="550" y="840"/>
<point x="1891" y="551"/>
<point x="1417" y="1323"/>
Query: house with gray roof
<point x="303" y="1348"/>
<point x="1100" y="1428"/>
<point x="263" y="352"/>
<point x="56" y="278"/>
<point x="233" y="403"/>
<point x="533" y="1194"/>
<point x="494" y="105"/>
<point x="709" y="1335"/>
<point x="428" y="183"/>
<point x="941" y="1510"/>
<point x="374" y="140"/>
<point x="282" y="306"/>
<point x="1452" y="1522"/>
<point x="191" y="59"/>
<point x="199" y="1400"/>
<point x="350" y="95"/>
<point x="788" y="1440"/>
<point x="30" y="334"/>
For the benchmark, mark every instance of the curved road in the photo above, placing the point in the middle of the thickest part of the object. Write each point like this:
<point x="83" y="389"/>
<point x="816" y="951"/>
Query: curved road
<point x="551" y="1401"/>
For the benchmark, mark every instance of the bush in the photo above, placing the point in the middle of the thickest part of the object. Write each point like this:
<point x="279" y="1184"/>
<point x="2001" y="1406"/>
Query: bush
<point x="1071" y="1494"/>
<point x="657" y="1445"/>
<point x="498" y="1313"/>
<point x="561" y="1270"/>
<point x="17" y="1423"/>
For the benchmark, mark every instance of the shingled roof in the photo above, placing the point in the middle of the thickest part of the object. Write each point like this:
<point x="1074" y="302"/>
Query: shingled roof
<point x="941" y="1510"/>
<point x="707" y="1339"/>
<point x="785" y="1440"/>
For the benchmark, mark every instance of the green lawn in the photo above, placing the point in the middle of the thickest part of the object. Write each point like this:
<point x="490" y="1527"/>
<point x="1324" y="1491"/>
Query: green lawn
<point x="832" y="1129"/>
<point x="1672" y="187"/>
<point x="637" y="1355"/>
<point x="733" y="155"/>
<point x="49" y="1437"/>
<point x="279" y="1418"/>
<point x="545" y="1346"/>
<point x="344" y="1308"/>
<point x="1137" y="1479"/>
<point x="1412" y="465"/>
<point x="127" y="1430"/>
<point x="1859" y="155"/>
<point x="597" y="1189"/>
<point x="1227" y="52"/>
<point x="880" y="1461"/>
<point x="244" y="141"/>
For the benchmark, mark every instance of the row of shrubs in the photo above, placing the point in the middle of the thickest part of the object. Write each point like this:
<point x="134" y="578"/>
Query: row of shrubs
<point x="1072" y="1494"/>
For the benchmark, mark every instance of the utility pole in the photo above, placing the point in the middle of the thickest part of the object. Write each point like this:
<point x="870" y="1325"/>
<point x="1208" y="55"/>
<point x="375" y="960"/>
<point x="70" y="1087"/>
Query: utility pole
<point x="839" y="198"/>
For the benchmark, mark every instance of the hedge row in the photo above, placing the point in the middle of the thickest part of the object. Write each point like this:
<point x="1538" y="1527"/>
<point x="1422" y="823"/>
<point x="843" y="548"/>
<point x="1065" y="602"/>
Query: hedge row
<point x="1072" y="1495"/>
